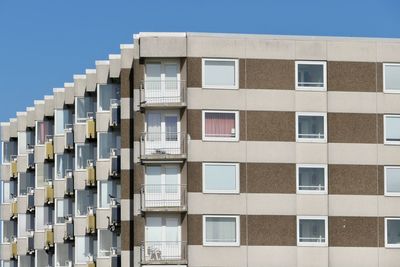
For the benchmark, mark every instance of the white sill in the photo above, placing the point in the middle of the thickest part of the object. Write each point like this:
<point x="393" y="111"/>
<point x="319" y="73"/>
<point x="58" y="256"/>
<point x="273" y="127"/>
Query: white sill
<point x="220" y="244"/>
<point x="394" y="246"/>
<point x="312" y="89"/>
<point x="312" y="244"/>
<point x="221" y="139"/>
<point x="222" y="192"/>
<point x="221" y="87"/>
<point x="391" y="91"/>
<point x="310" y="140"/>
<point x="392" y="194"/>
<point x="311" y="192"/>
<point x="392" y="143"/>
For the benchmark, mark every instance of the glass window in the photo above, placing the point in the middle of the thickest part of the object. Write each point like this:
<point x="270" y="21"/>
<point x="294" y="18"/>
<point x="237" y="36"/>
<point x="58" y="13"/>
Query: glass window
<point x="9" y="150"/>
<point x="85" y="200"/>
<point x="391" y="78"/>
<point x="107" y="241"/>
<point x="220" y="178"/>
<point x="26" y="182"/>
<point x="108" y="190"/>
<point x="63" y="210"/>
<point x="392" y="129"/>
<point x="311" y="75"/>
<point x="221" y="230"/>
<point x="63" y="117"/>
<point x="44" y="129"/>
<point x="64" y="162"/>
<point x="219" y="125"/>
<point x="108" y="141"/>
<point x="312" y="231"/>
<point x="84" y="249"/>
<point x="84" y="108"/>
<point x="43" y="218"/>
<point x="44" y="174"/>
<point x="220" y="73"/>
<point x="106" y="94"/>
<point x="311" y="127"/>
<point x="392" y="180"/>
<point x="392" y="232"/>
<point x="84" y="153"/>
<point x="311" y="179"/>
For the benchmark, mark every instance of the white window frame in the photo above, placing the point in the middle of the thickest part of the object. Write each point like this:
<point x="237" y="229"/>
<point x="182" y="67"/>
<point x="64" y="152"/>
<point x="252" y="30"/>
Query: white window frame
<point x="389" y="194"/>
<point x="222" y="244"/>
<point x="113" y="87"/>
<point x="228" y="139"/>
<point x="313" y="192"/>
<point x="386" y="232"/>
<point x="237" y="178"/>
<point x="312" y="244"/>
<point x="384" y="129"/>
<point x="310" y="88"/>
<point x="389" y="91"/>
<point x="227" y="87"/>
<point x="312" y="140"/>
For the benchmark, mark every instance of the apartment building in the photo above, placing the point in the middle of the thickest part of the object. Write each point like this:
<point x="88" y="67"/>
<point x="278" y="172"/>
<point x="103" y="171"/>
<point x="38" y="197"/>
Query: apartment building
<point x="211" y="150"/>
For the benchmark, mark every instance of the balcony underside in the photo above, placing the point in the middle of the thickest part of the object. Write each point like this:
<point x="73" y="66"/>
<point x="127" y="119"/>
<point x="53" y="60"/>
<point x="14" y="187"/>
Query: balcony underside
<point x="159" y="158"/>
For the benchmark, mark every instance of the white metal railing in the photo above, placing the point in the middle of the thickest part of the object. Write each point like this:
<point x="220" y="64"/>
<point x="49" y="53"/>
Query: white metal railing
<point x="163" y="143"/>
<point x="163" y="91"/>
<point x="163" y="196"/>
<point x="155" y="251"/>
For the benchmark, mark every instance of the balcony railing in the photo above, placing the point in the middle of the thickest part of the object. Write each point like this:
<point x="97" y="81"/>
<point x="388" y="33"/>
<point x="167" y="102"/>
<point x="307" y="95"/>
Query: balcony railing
<point x="168" y="252"/>
<point x="163" y="92"/>
<point x="163" y="145"/>
<point x="163" y="197"/>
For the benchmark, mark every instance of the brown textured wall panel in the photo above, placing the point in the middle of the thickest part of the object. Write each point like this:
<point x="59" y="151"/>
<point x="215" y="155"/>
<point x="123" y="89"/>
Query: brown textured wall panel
<point x="138" y="68"/>
<point x="138" y="118"/>
<point x="352" y="76"/>
<point x="274" y="178"/>
<point x="194" y="124"/>
<point x="270" y="126"/>
<point x="194" y="72"/>
<point x="271" y="230"/>
<point x="138" y="234"/>
<point x="354" y="128"/>
<point x="126" y="83"/>
<point x="195" y="229"/>
<point x="270" y="74"/>
<point x="242" y="73"/>
<point x="127" y="184"/>
<point x="355" y="179"/>
<point x="354" y="231"/>
<point x="195" y="173"/>
<point x="379" y="75"/>
<point x="243" y="125"/>
<point x="138" y="177"/>
<point x="126" y="128"/>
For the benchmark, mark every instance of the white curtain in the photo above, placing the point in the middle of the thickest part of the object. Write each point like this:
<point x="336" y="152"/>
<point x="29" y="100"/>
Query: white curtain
<point x="219" y="73"/>
<point x="392" y="125"/>
<point x="220" y="229"/>
<point x="220" y="177"/>
<point x="392" y="77"/>
<point x="393" y="180"/>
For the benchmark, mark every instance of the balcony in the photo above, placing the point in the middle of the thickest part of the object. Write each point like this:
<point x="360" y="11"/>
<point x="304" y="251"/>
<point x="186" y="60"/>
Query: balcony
<point x="26" y="161"/>
<point x="49" y="148"/>
<point x="8" y="250"/>
<point x="115" y="163"/>
<point x="169" y="146"/>
<point x="109" y="258"/>
<point x="163" y="197"/>
<point x="9" y="211"/>
<point x="69" y="137"/>
<point x="44" y="195"/>
<point x="109" y="218"/>
<point x="164" y="252"/>
<point x="163" y="93"/>
<point x="64" y="230"/>
<point x="44" y="239"/>
<point x="26" y="202"/>
<point x="115" y="112"/>
<point x="25" y="245"/>
<point x="64" y="187"/>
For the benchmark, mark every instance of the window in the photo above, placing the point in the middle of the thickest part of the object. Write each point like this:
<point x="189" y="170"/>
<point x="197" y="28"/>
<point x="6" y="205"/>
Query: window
<point x="107" y="141"/>
<point x="221" y="230"/>
<point x="106" y="94"/>
<point x="392" y="180"/>
<point x="312" y="179"/>
<point x="63" y="117"/>
<point x="84" y="249"/>
<point x="108" y="241"/>
<point x="221" y="178"/>
<point x="312" y="231"/>
<point x="220" y="73"/>
<point x="85" y="200"/>
<point x="221" y="125"/>
<point x="392" y="129"/>
<point x="9" y="150"/>
<point x="26" y="140"/>
<point x="391" y="78"/>
<point x="311" y="127"/>
<point x="44" y="174"/>
<point x="108" y="190"/>
<point x="26" y="182"/>
<point x="44" y="129"/>
<point x="84" y="154"/>
<point x="64" y="163"/>
<point x="63" y="210"/>
<point x="311" y="75"/>
<point x="43" y="217"/>
<point x="84" y="108"/>
<point x="392" y="232"/>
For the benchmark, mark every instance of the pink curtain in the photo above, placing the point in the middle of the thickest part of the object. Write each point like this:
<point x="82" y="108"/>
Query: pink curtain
<point x="220" y="125"/>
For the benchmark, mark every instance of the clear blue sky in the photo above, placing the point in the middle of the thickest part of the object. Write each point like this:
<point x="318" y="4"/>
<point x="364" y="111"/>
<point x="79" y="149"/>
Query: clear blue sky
<point x="44" y="42"/>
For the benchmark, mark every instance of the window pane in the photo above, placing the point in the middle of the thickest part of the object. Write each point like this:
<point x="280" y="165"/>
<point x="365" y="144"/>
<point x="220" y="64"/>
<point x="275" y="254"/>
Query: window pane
<point x="311" y="179"/>
<point x="392" y="77"/>
<point x="312" y="231"/>
<point x="220" y="229"/>
<point x="107" y="141"/>
<point x="9" y="150"/>
<point x="64" y="162"/>
<point x="393" y="232"/>
<point x="220" y="177"/>
<point x="393" y="180"/>
<point x="60" y="123"/>
<point x="107" y="92"/>
<point x="84" y="108"/>
<point x="311" y="127"/>
<point x="219" y="73"/>
<point x="392" y="128"/>
<point x="310" y="75"/>
<point x="84" y="153"/>
<point x="171" y="128"/>
<point x="220" y="124"/>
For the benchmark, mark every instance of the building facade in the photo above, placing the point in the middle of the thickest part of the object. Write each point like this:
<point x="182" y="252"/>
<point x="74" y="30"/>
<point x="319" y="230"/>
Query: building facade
<point x="211" y="150"/>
